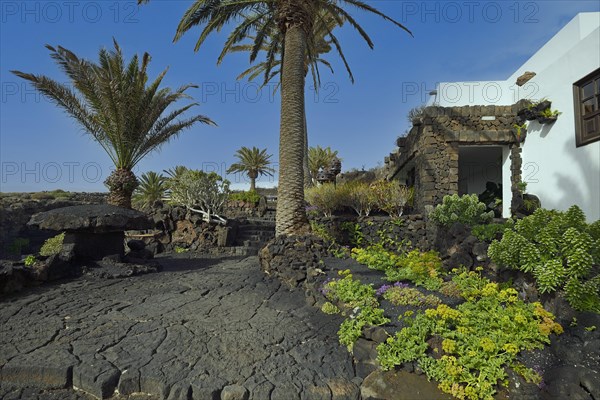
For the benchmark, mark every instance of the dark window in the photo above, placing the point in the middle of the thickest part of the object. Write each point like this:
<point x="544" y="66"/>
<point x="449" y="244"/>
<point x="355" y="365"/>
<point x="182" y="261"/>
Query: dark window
<point x="586" y="93"/>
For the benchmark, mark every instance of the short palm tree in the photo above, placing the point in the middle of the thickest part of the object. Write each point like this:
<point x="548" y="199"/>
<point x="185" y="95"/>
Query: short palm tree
<point x="294" y="20"/>
<point x="254" y="162"/>
<point x="152" y="188"/>
<point x="113" y="103"/>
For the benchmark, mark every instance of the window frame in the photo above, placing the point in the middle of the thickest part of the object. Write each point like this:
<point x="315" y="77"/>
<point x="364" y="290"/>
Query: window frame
<point x="580" y="139"/>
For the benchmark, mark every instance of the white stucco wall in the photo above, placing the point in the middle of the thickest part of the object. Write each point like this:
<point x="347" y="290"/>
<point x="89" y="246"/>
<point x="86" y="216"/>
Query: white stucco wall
<point x="554" y="169"/>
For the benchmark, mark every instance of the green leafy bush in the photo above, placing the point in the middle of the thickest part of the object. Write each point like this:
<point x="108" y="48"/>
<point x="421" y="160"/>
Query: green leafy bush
<point x="30" y="260"/>
<point x="376" y="257"/>
<point x="329" y="308"/>
<point x="199" y="192"/>
<point x="359" y="197"/>
<point x="350" y="292"/>
<point x="421" y="268"/>
<point x="392" y="197"/>
<point x="465" y="209"/>
<point x="321" y="231"/>
<point x="489" y="232"/>
<point x="326" y="197"/>
<point x="247" y="197"/>
<point x="53" y="245"/>
<point x="354" y="231"/>
<point x="351" y="329"/>
<point x="353" y="295"/>
<point x="559" y="249"/>
<point x="406" y="296"/>
<point x="479" y="339"/>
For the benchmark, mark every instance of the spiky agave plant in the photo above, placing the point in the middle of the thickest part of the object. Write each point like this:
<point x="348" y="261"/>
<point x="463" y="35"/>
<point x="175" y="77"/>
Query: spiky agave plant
<point x="114" y="103"/>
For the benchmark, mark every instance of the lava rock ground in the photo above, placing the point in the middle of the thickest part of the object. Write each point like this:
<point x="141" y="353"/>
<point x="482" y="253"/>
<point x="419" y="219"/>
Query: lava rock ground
<point x="199" y="326"/>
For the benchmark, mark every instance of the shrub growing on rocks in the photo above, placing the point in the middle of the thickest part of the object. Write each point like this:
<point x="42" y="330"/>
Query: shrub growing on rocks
<point x="200" y="192"/>
<point x="392" y="197"/>
<point x="53" y="245"/>
<point x="247" y="197"/>
<point x="466" y="209"/>
<point x="360" y="197"/>
<point x="480" y="338"/>
<point x="326" y="197"/>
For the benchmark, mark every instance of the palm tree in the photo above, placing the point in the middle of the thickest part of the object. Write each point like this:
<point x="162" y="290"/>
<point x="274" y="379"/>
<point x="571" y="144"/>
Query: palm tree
<point x="271" y="67"/>
<point x="254" y="162"/>
<point x="114" y="104"/>
<point x="152" y="187"/>
<point x="294" y="20"/>
<point x="320" y="158"/>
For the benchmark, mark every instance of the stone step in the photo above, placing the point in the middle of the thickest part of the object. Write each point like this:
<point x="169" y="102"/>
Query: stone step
<point x="256" y="234"/>
<point x="250" y="242"/>
<point x="246" y="250"/>
<point x="262" y="228"/>
<point x="258" y="222"/>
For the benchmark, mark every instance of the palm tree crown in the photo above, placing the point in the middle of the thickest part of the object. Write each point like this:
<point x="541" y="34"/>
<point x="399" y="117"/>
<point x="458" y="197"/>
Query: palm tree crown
<point x="254" y="162"/>
<point x="114" y="104"/>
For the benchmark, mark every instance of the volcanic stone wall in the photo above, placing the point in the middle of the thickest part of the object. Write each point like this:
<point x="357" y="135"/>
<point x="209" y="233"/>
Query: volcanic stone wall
<point x="431" y="147"/>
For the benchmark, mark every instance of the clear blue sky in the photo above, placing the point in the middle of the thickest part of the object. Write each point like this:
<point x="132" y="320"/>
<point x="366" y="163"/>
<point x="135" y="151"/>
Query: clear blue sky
<point x="42" y="149"/>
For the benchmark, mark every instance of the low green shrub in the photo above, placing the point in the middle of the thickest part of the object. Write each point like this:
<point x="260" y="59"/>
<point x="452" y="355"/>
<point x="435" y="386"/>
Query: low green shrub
<point x="351" y="329"/>
<point x="355" y="233"/>
<point x="325" y="197"/>
<point x="329" y="308"/>
<point x="376" y="257"/>
<point x="30" y="260"/>
<point x="559" y="249"/>
<point x="53" y="245"/>
<point x="392" y="197"/>
<point x="321" y="231"/>
<point x="407" y="296"/>
<point x="248" y="197"/>
<point x="352" y="295"/>
<point x="421" y="268"/>
<point x="489" y="232"/>
<point x="479" y="339"/>
<point x="360" y="197"/>
<point x="465" y="209"/>
<point x="351" y="292"/>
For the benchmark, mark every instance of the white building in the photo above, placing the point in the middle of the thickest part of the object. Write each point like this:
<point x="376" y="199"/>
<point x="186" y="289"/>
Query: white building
<point x="561" y="161"/>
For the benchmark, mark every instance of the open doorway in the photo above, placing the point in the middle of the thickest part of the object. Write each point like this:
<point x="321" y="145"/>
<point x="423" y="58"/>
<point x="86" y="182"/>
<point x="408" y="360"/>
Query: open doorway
<point x="480" y="172"/>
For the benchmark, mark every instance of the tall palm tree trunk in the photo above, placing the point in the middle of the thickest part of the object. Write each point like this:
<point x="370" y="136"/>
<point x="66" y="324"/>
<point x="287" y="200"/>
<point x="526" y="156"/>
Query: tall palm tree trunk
<point x="307" y="178"/>
<point x="291" y="214"/>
